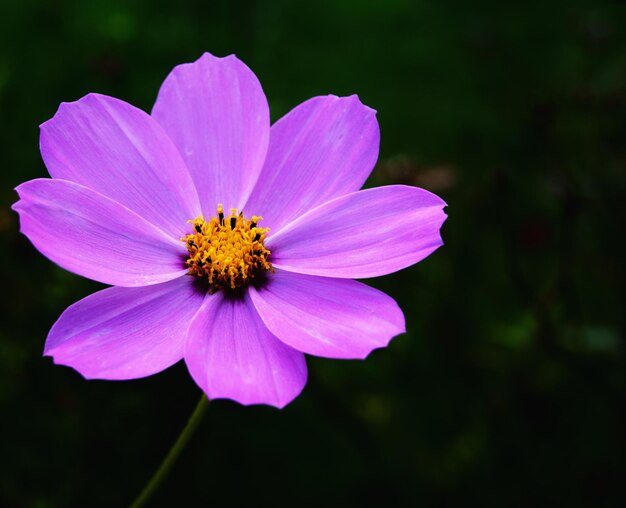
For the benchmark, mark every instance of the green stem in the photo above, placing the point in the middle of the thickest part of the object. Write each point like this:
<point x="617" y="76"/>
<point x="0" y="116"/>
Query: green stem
<point x="173" y="454"/>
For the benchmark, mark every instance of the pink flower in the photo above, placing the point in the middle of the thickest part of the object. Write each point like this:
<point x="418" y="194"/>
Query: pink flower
<point x="133" y="202"/>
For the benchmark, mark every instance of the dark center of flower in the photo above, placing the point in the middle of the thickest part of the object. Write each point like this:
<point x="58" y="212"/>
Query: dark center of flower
<point x="227" y="251"/>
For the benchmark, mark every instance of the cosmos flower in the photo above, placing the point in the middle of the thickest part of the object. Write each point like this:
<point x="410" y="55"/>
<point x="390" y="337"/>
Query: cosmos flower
<point x="228" y="243"/>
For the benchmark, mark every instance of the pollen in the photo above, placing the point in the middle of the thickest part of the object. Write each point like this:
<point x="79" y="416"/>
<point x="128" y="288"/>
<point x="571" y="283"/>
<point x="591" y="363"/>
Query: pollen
<point x="227" y="251"/>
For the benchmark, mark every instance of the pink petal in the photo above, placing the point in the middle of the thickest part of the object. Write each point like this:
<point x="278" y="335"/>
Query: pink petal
<point x="324" y="148"/>
<point x="336" y="318"/>
<point x="121" y="152"/>
<point x="96" y="237"/>
<point x="364" y="234"/>
<point x="125" y="333"/>
<point x="232" y="355"/>
<point x="216" y="113"/>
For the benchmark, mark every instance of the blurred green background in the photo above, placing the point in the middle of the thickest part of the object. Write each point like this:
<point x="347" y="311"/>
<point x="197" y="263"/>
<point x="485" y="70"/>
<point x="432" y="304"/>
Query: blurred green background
<point x="509" y="388"/>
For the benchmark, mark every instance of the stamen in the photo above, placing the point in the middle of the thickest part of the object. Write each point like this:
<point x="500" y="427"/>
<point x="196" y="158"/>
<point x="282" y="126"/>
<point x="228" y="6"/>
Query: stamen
<point x="228" y="256"/>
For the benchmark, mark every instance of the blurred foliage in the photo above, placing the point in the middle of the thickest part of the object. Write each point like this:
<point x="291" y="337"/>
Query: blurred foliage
<point x="509" y="388"/>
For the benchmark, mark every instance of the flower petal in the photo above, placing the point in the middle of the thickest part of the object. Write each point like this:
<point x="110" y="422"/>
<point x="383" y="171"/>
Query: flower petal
<point x="364" y="234"/>
<point x="324" y="148"/>
<point x="321" y="316"/>
<point x="216" y="113"/>
<point x="125" y="333"/>
<point x="121" y="152"/>
<point x="96" y="237"/>
<point x="232" y="355"/>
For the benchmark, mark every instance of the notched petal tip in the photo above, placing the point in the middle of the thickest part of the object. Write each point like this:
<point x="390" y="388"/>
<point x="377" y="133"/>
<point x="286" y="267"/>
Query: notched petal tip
<point x="72" y="104"/>
<point x="396" y="320"/>
<point x="280" y="403"/>
<point x="20" y="205"/>
<point x="355" y="98"/>
<point x="348" y="100"/>
<point x="210" y="56"/>
<point x="443" y="216"/>
<point x="47" y="351"/>
<point x="24" y="187"/>
<point x="54" y="355"/>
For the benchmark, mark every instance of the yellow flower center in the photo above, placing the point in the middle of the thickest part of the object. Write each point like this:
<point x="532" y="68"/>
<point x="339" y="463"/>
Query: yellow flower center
<point x="227" y="251"/>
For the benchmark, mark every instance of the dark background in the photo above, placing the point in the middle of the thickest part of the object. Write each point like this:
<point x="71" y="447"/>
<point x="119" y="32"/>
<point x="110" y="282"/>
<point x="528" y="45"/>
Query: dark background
<point x="509" y="388"/>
